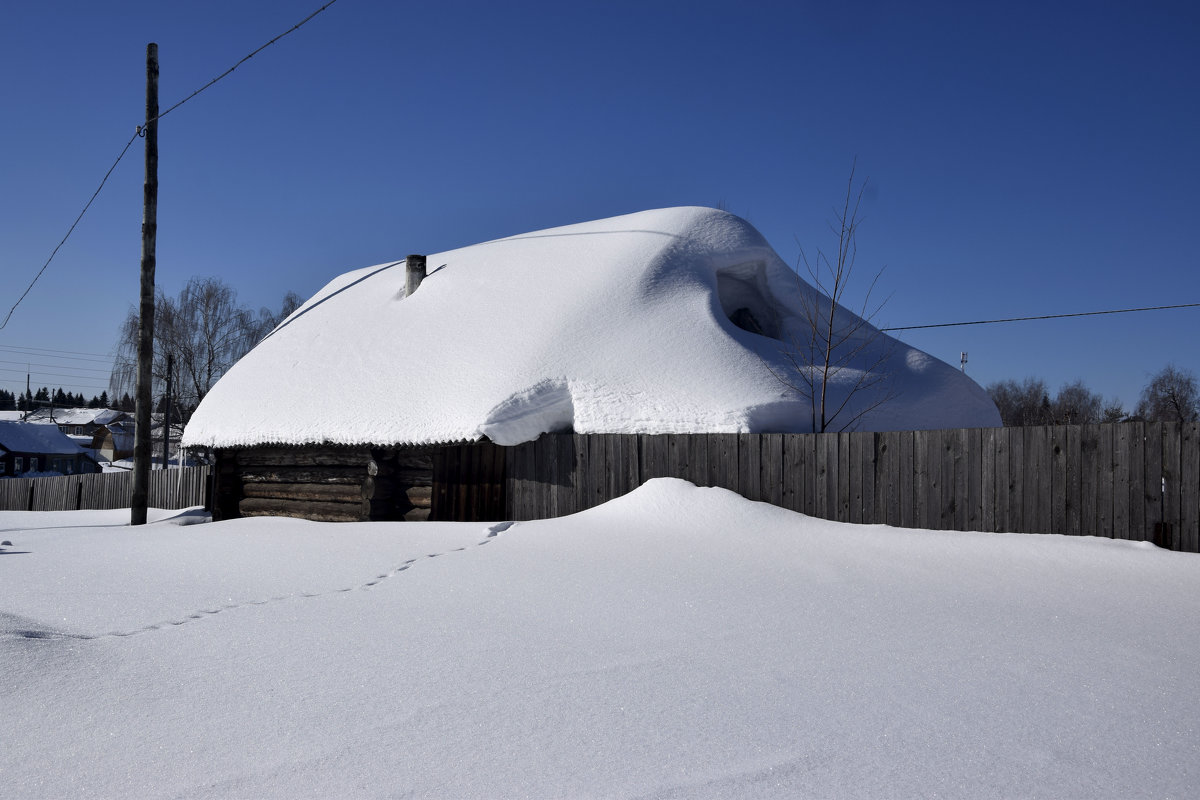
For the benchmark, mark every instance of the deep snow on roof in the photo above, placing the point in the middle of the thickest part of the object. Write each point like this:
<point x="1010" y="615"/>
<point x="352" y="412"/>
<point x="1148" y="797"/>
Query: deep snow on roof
<point x="622" y="325"/>
<point x="73" y="416"/>
<point x="26" y="437"/>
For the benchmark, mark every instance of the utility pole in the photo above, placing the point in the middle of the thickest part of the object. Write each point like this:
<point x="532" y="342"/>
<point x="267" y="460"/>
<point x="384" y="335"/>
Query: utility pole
<point x="167" y="411"/>
<point x="145" y="347"/>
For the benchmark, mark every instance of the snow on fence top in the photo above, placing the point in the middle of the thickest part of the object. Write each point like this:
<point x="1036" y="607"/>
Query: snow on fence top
<point x="622" y="325"/>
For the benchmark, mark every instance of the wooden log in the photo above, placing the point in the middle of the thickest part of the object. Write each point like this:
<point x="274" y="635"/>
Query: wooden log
<point x="419" y="496"/>
<point x="266" y="474"/>
<point x="335" y="492"/>
<point x="302" y="509"/>
<point x="410" y="477"/>
<point x="302" y="457"/>
<point x="414" y="462"/>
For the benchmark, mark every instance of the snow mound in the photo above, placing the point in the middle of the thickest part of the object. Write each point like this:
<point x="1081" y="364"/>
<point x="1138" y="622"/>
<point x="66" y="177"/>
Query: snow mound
<point x="676" y="642"/>
<point x="666" y="321"/>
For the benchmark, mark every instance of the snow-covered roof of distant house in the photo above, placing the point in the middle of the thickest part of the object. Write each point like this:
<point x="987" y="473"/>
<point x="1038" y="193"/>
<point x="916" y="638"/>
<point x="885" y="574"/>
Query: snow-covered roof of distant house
<point x="26" y="437"/>
<point x="622" y="325"/>
<point x="73" y="416"/>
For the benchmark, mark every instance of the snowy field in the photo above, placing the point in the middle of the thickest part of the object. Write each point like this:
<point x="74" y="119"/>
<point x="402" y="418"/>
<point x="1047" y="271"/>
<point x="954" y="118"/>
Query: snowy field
<point x="674" y="643"/>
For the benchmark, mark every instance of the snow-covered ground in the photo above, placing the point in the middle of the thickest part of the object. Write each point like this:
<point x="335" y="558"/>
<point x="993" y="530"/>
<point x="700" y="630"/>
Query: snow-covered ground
<point x="676" y="642"/>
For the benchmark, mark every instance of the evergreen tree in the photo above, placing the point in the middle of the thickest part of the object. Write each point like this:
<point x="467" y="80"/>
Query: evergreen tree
<point x="103" y="400"/>
<point x="8" y="401"/>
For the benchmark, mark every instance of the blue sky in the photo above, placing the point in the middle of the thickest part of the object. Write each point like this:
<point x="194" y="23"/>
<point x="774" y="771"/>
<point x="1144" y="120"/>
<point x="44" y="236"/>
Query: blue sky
<point x="1024" y="158"/>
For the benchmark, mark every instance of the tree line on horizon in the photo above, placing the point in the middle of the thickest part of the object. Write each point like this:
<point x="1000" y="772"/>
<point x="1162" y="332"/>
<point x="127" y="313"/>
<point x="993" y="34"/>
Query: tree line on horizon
<point x="1171" y="395"/>
<point x="44" y="398"/>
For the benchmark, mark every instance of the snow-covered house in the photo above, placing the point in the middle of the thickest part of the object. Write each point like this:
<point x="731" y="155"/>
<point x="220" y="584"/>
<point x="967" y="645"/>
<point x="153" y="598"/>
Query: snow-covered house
<point x="668" y="321"/>
<point x="26" y="448"/>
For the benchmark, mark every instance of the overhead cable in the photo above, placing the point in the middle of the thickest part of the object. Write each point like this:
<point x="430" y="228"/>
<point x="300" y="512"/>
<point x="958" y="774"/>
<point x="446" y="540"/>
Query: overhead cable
<point x="1045" y="316"/>
<point x="138" y="133"/>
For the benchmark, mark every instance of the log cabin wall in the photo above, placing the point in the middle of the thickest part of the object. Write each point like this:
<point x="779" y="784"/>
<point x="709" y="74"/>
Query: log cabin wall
<point x="325" y="483"/>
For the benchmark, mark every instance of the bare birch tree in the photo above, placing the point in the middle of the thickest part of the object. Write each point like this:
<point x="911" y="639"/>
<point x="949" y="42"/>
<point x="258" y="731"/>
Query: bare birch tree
<point x="205" y="330"/>
<point x="838" y="356"/>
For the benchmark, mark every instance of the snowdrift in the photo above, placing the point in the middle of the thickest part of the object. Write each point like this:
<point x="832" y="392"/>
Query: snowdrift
<point x="623" y="325"/>
<point x="674" y="643"/>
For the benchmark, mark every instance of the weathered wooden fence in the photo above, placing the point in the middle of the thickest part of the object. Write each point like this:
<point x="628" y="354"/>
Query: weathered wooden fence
<point x="171" y="488"/>
<point x="1130" y="480"/>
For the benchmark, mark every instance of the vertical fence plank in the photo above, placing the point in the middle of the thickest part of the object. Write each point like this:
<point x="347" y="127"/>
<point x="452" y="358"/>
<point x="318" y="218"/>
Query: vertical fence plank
<point x="1121" y="469"/>
<point x="749" y="466"/>
<point x="771" y="468"/>
<point x="1035" y="497"/>
<point x="887" y="503"/>
<point x="990" y="472"/>
<point x="793" y="472"/>
<point x="853" y="486"/>
<point x="972" y="443"/>
<point x="866" y="476"/>
<point x="1153" y="486"/>
<point x="960" y="470"/>
<point x="1015" y="480"/>
<point x="1073" y="512"/>
<point x="723" y="461"/>
<point x="826" y="477"/>
<point x="1058" y="498"/>
<point x="921" y="480"/>
<point x="907" y="454"/>
<point x="1170" y="475"/>
<point x="1137" y="481"/>
<point x="944" y="483"/>
<point x="1189" y="487"/>
<point x="653" y="457"/>
<point x="842" y="483"/>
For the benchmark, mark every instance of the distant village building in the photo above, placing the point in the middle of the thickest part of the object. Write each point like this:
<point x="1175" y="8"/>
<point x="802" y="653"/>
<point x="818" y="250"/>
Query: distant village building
<point x="28" y="448"/>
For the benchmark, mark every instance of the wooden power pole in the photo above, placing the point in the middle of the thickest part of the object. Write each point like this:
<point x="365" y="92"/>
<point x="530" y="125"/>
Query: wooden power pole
<point x="167" y="412"/>
<point x="145" y="347"/>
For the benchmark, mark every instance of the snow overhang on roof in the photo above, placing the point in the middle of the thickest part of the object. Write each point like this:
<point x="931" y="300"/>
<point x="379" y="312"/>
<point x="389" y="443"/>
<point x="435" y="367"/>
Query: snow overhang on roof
<point x="666" y="321"/>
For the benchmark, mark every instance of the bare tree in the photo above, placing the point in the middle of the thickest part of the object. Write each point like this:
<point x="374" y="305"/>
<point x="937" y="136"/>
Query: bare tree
<point x="204" y="329"/>
<point x="1029" y="403"/>
<point x="1171" y="396"/>
<point x="837" y="356"/>
<point x="1075" y="404"/>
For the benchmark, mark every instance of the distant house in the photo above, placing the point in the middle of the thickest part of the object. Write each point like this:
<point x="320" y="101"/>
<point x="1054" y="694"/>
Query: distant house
<point x="376" y="398"/>
<point x="114" y="441"/>
<point x="28" y="448"/>
<point x="76" y="421"/>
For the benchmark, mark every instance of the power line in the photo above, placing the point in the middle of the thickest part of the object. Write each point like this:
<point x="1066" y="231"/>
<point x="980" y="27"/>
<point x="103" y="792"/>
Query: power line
<point x="46" y="352"/>
<point x="1046" y="316"/>
<point x="242" y="61"/>
<point x="140" y="132"/>
<point x="58" y="366"/>
<point x="69" y="231"/>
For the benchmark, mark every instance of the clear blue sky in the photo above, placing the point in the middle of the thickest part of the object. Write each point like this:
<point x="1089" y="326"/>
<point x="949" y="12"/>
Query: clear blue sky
<point x="1024" y="158"/>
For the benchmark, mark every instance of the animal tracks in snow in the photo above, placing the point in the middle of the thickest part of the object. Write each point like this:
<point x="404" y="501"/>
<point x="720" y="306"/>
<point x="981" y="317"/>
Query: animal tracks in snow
<point x="32" y="633"/>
